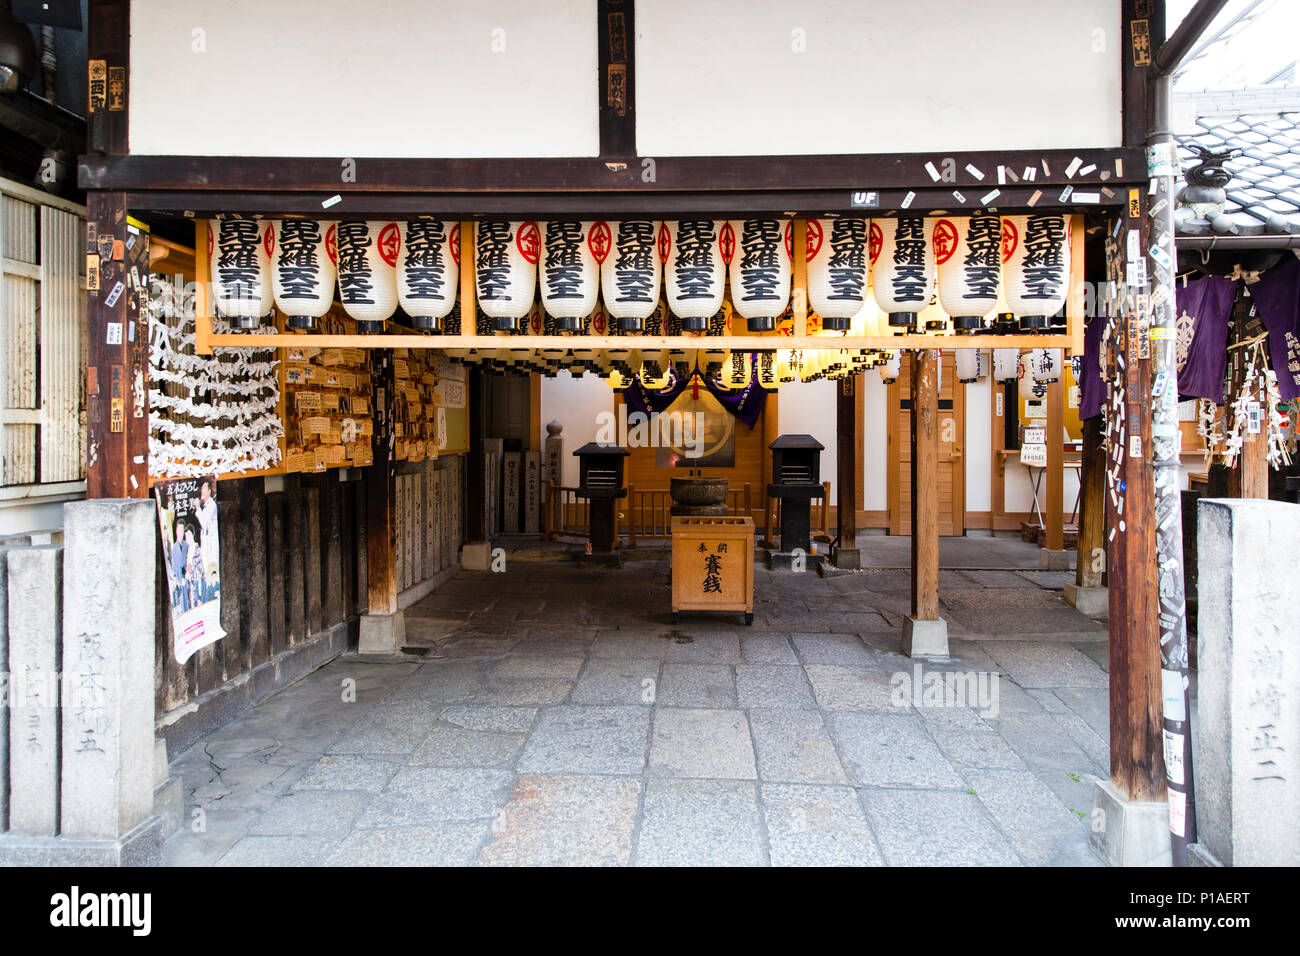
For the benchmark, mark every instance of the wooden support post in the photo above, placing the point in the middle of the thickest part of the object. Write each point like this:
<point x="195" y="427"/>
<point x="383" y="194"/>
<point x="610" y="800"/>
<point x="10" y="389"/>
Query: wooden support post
<point x="117" y="403"/>
<point x="1054" y="503"/>
<point x="771" y="429"/>
<point x="847" y="491"/>
<point x="382" y="629"/>
<point x="1092" y="508"/>
<point x="925" y="485"/>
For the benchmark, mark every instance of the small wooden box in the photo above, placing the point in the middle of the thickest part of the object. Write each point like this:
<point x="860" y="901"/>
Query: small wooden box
<point x="713" y="565"/>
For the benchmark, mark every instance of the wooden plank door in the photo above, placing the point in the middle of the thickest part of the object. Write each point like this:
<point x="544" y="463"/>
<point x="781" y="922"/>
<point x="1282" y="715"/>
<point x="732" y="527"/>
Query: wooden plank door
<point x="952" y="450"/>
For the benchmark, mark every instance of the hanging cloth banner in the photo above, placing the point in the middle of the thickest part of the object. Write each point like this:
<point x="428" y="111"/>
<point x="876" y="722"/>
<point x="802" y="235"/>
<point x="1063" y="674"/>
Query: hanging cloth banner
<point x="746" y="405"/>
<point x="1202" y="309"/>
<point x="1092" y="388"/>
<point x="187" y="520"/>
<point x="1277" y="296"/>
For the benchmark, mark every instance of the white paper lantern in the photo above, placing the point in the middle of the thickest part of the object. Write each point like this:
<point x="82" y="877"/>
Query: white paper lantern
<point x="1037" y="267"/>
<point x="968" y="254"/>
<point x="303" y="269"/>
<point x="839" y="267"/>
<point x="694" y="271"/>
<point x="970" y="365"/>
<point x="368" y="254"/>
<point x="428" y="270"/>
<point x="239" y="252"/>
<point x="1006" y="366"/>
<point x="903" y="270"/>
<point x="568" y="272"/>
<point x="760" y="269"/>
<point x="632" y="272"/>
<point x="1045" y="366"/>
<point x="893" y="364"/>
<point x="505" y="270"/>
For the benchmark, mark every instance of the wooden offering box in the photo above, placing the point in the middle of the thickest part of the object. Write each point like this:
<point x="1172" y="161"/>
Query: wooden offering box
<point x="713" y="564"/>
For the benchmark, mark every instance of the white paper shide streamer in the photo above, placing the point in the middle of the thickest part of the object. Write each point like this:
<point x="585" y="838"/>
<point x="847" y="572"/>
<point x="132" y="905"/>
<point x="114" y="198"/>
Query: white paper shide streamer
<point x="968" y="254"/>
<point x="428" y="267"/>
<point x="304" y="268"/>
<point x="505" y="270"/>
<point x="760" y="269"/>
<point x="1037" y="267"/>
<point x="838" y="269"/>
<point x="368" y="254"/>
<point x="568" y="271"/>
<point x="695" y="271"/>
<point x="239" y="253"/>
<point x="903" y="271"/>
<point x="632" y="270"/>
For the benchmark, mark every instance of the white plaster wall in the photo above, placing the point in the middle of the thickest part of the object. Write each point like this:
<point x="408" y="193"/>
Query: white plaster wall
<point x="402" y="78"/>
<point x="754" y="77"/>
<point x="875" y="443"/>
<point x="808" y="408"/>
<point x="977" y="451"/>
<point x="574" y="403"/>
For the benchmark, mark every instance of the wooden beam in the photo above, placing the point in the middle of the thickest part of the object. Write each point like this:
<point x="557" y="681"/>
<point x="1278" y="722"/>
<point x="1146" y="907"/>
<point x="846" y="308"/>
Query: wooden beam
<point x="1054" y="502"/>
<point x="925" y="484"/>
<point x="108" y="55"/>
<point x="1092" y="507"/>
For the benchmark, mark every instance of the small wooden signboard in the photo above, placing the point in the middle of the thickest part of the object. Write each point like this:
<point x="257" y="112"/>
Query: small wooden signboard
<point x="713" y="564"/>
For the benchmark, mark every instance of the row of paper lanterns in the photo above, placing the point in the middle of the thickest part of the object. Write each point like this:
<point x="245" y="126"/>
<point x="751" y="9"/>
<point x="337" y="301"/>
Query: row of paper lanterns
<point x="979" y="266"/>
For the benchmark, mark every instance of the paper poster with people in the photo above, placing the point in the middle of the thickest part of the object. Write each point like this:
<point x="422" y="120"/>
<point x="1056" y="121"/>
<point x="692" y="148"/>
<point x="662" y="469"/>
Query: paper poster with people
<point x="187" y="517"/>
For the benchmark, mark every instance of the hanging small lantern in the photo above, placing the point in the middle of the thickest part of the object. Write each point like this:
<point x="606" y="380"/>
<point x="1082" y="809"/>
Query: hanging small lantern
<point x="839" y="267"/>
<point x="1006" y="366"/>
<point x="970" y="365"/>
<point x="737" y="371"/>
<point x="568" y="271"/>
<point x="427" y="270"/>
<point x="903" y="269"/>
<point x="695" y="270"/>
<point x="892" y="365"/>
<point x="967" y="252"/>
<point x="1037" y="269"/>
<point x="618" y="381"/>
<point x="239" y="251"/>
<point x="631" y="272"/>
<point x="505" y="270"/>
<point x="765" y="370"/>
<point x="1045" y="366"/>
<point x="368" y="254"/>
<point x="303" y="269"/>
<point x="760" y="269"/>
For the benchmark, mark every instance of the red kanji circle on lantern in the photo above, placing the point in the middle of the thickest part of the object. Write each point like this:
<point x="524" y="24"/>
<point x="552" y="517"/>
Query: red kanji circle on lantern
<point x="526" y="240"/>
<point x="535" y="322"/>
<point x="789" y="239"/>
<point x="599" y="326"/>
<point x="453" y="243"/>
<point x="390" y="243"/>
<point x="945" y="240"/>
<point x="1010" y="239"/>
<point x="814" y="241"/>
<point x="875" y="240"/>
<point x="332" y="243"/>
<point x="665" y="242"/>
<point x="727" y="242"/>
<point x="598" y="240"/>
<point x="269" y="240"/>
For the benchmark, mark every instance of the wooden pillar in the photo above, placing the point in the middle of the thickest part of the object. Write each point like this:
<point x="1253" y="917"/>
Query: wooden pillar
<point x="925" y="484"/>
<point x="381" y="494"/>
<point x="1054" y="500"/>
<point x="848" y="439"/>
<point x="771" y="430"/>
<point x="1092" y="507"/>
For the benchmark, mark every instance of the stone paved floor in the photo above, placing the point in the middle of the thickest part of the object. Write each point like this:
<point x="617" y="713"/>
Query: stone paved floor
<point x="557" y="717"/>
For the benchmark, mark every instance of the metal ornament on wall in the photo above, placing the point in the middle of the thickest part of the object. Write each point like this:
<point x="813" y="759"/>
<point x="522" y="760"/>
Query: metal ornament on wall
<point x="694" y="270"/>
<point x="632" y="273"/>
<point x="305" y="265"/>
<point x="839" y="269"/>
<point x="1036" y="267"/>
<point x="428" y="271"/>
<point x="505" y="270"/>
<point x="759" y="269"/>
<point x="968" y="256"/>
<point x="569" y="271"/>
<point x="367" y="267"/>
<point x="903" y="270"/>
<point x="1006" y="366"/>
<point x="239" y="253"/>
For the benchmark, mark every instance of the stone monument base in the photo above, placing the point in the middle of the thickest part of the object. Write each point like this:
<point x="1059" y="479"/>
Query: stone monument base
<point x="1131" y="832"/>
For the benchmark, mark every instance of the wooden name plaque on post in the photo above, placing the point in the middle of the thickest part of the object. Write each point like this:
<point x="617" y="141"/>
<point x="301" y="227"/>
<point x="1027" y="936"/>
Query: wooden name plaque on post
<point x="713" y="565"/>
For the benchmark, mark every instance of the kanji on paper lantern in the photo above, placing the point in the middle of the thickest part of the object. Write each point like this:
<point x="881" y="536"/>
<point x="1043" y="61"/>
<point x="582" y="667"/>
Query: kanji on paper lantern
<point x="839" y="266"/>
<point x="1045" y="366"/>
<point x="240" y="261"/>
<point x="1036" y="267"/>
<point x="303" y="270"/>
<point x="1006" y="366"/>
<point x="568" y="272"/>
<point x="367" y="266"/>
<point x="632" y="271"/>
<point x="695" y="270"/>
<point x="967" y="252"/>
<point x="427" y="270"/>
<point x="903" y="270"/>
<point x="970" y="365"/>
<point x="760" y="269"/>
<point x="505" y="270"/>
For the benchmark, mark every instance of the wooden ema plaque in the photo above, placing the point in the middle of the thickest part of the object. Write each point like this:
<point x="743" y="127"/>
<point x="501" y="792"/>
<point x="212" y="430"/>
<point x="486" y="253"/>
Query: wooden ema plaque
<point x="713" y="565"/>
